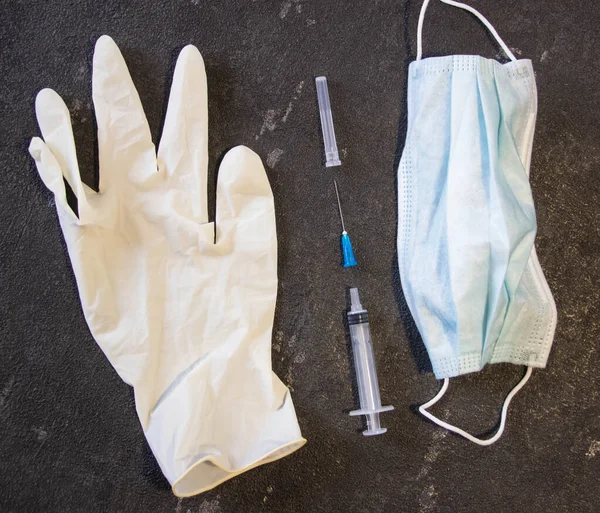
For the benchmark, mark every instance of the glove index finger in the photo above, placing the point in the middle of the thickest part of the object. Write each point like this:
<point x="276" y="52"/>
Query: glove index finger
<point x="245" y="206"/>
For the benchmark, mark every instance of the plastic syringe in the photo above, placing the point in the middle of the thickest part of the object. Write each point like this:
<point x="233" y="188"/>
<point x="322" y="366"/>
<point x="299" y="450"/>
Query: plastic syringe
<point x="364" y="364"/>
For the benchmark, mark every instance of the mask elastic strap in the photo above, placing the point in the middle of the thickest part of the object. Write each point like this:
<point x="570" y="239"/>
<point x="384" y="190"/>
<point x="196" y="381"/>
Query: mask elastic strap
<point x="466" y="8"/>
<point x="423" y="409"/>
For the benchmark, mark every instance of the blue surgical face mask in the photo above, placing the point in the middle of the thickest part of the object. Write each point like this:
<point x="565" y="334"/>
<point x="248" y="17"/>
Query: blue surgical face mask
<point x="467" y="223"/>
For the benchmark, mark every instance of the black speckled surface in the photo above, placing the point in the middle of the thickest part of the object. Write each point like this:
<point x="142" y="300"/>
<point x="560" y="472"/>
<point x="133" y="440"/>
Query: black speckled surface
<point x="69" y="436"/>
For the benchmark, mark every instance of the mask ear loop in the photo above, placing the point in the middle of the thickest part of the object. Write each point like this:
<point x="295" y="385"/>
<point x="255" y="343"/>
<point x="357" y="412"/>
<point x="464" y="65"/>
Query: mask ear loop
<point x="423" y="409"/>
<point x="466" y="7"/>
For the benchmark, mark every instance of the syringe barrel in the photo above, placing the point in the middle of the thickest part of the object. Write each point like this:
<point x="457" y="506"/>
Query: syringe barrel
<point x="364" y="365"/>
<point x="364" y="361"/>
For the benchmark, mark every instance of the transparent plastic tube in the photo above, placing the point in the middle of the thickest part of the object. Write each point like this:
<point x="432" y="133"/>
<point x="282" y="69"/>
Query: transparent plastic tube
<point x="332" y="157"/>
<point x="364" y="363"/>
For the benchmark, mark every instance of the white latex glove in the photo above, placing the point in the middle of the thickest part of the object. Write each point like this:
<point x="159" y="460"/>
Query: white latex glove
<point x="183" y="316"/>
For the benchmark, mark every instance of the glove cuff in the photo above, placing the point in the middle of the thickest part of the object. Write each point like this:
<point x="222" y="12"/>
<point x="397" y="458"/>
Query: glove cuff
<point x="202" y="438"/>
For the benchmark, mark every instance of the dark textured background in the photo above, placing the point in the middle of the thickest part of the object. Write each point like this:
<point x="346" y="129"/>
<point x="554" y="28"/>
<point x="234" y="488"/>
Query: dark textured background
<point x="69" y="437"/>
